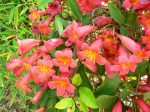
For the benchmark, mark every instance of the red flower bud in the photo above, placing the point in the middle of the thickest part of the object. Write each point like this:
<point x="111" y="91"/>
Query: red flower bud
<point x="144" y="88"/>
<point x="37" y="96"/>
<point x="117" y="107"/>
<point x="143" y="105"/>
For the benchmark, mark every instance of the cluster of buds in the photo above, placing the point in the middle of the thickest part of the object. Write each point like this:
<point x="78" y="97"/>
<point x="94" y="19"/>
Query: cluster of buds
<point x="118" y="53"/>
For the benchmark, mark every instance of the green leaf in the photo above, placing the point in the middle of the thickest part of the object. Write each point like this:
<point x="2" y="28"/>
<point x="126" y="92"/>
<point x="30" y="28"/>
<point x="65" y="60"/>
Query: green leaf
<point x="1" y="94"/>
<point x="141" y="67"/>
<point x="43" y="3"/>
<point x="85" y="80"/>
<point x="16" y="17"/>
<point x="124" y="94"/>
<point x="65" y="103"/>
<point x="44" y="99"/>
<point x="124" y="31"/>
<point x="13" y="98"/>
<point x="11" y="15"/>
<point x="4" y="7"/>
<point x="87" y="18"/>
<point x="82" y="106"/>
<point x="109" y="86"/>
<point x="130" y="19"/>
<point x="116" y="13"/>
<point x="146" y="95"/>
<point x="76" y="80"/>
<point x="106" y="102"/>
<point x="24" y="10"/>
<point x="59" y="25"/>
<point x="75" y="9"/>
<point x="1" y="81"/>
<point x="101" y="70"/>
<point x="87" y="97"/>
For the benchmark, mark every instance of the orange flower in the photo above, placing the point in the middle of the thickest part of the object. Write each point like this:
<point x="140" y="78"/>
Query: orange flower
<point x="63" y="86"/>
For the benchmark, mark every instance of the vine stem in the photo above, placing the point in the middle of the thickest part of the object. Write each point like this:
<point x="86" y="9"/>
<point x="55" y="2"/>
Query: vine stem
<point x="138" y="80"/>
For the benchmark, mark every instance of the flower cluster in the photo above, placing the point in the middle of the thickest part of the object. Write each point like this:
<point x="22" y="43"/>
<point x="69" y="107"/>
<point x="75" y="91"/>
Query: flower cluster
<point x="51" y="66"/>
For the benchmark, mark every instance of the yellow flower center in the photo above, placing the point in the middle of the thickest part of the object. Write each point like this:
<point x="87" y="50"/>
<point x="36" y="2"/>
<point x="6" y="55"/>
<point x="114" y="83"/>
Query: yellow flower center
<point x="75" y="35"/>
<point x="126" y="65"/>
<point x="44" y="69"/>
<point x="139" y="54"/>
<point x="134" y="1"/>
<point x="35" y="15"/>
<point x="43" y="28"/>
<point x="27" y="65"/>
<point x="64" y="60"/>
<point x="109" y="38"/>
<point x="61" y="83"/>
<point x="91" y="54"/>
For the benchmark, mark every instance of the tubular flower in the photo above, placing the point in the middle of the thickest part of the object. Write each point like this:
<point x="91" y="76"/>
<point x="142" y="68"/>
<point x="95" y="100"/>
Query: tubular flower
<point x="137" y="4"/>
<point x="129" y="43"/>
<point x="43" y="27"/>
<point x="110" y="45"/>
<point x="126" y="62"/>
<point x="129" y="3"/>
<point x="54" y="8"/>
<point x="64" y="60"/>
<point x="145" y="20"/>
<point x="91" y="54"/>
<point x="51" y="44"/>
<point x="40" y="109"/>
<point x="43" y="70"/>
<point x="88" y="5"/>
<point x="141" y="55"/>
<point x="102" y="20"/>
<point x="143" y="105"/>
<point x="63" y="86"/>
<point x="117" y="107"/>
<point x="35" y="15"/>
<point x="76" y="33"/>
<point x="26" y="45"/>
<point x="144" y="88"/>
<point x="37" y="96"/>
<point x="23" y="84"/>
<point x="146" y="40"/>
<point x="14" y="63"/>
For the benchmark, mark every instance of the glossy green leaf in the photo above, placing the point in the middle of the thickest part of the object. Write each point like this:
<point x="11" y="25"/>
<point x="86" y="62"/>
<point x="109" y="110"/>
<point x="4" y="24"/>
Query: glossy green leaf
<point x="59" y="25"/>
<point x="65" y="103"/>
<point x="82" y="106"/>
<point x="106" y="102"/>
<point x="76" y="80"/>
<point x="141" y="67"/>
<point x="115" y="13"/>
<point x="87" y="97"/>
<point x="109" y="86"/>
<point x="75" y="9"/>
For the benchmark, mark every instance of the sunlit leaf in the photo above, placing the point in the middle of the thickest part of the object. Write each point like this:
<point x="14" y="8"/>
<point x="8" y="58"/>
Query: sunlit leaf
<point x="64" y="103"/>
<point x="59" y="25"/>
<point x="87" y="97"/>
